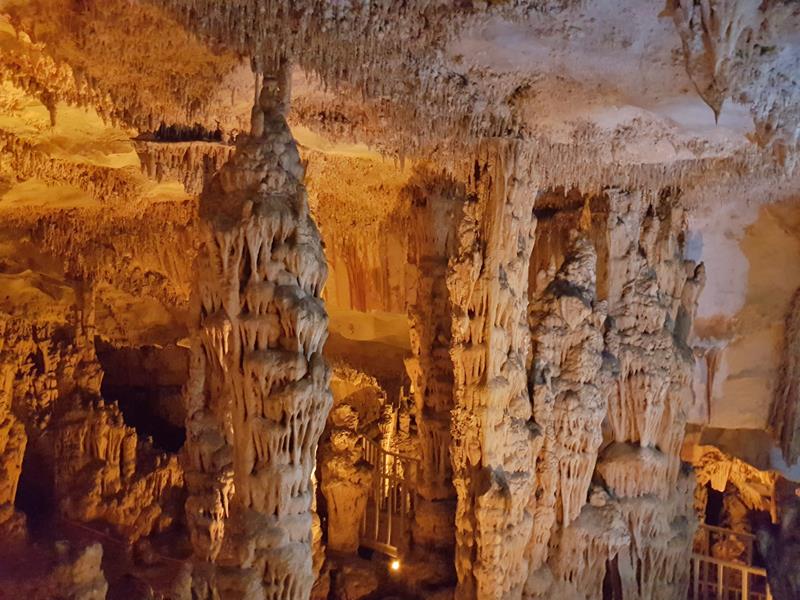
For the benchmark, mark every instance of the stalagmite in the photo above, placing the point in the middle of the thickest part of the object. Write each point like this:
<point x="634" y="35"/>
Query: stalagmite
<point x="346" y="479"/>
<point x="494" y="439"/>
<point x="434" y="208"/>
<point x="102" y="472"/>
<point x="258" y="394"/>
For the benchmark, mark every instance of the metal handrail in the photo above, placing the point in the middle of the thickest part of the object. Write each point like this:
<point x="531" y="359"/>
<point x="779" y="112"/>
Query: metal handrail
<point x="391" y="501"/>
<point x="713" y="533"/>
<point x="717" y="588"/>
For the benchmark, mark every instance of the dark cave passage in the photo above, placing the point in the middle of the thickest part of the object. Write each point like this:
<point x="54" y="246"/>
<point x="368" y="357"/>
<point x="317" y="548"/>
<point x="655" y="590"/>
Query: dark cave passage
<point x="146" y="383"/>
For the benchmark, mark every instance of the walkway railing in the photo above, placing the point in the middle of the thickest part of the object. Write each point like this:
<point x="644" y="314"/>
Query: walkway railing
<point x="717" y="579"/>
<point x="390" y="507"/>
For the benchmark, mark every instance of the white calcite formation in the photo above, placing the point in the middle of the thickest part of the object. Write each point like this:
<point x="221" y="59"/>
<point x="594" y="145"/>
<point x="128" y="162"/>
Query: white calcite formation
<point x="494" y="440"/>
<point x="569" y="384"/>
<point x="258" y="394"/>
<point x="435" y="203"/>
<point x="652" y="298"/>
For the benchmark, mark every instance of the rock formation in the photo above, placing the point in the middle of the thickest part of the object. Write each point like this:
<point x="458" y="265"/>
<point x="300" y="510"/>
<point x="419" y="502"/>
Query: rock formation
<point x="569" y="385"/>
<point x="103" y="473"/>
<point x="258" y="394"/>
<point x="785" y="412"/>
<point x="559" y="394"/>
<point x="434" y="206"/>
<point x="494" y="440"/>
<point x="12" y="449"/>
<point x="652" y="292"/>
<point x="346" y="478"/>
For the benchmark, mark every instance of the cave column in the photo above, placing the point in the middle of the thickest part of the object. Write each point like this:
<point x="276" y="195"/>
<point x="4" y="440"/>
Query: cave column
<point x="258" y="394"/>
<point x="568" y="381"/>
<point x="653" y="294"/>
<point x="434" y="204"/>
<point x="494" y="440"/>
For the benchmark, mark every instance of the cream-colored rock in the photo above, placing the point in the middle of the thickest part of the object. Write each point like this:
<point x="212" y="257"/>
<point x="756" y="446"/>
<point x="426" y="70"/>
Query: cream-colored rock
<point x="258" y="393"/>
<point x="494" y="443"/>
<point x="346" y="479"/>
<point x="79" y="574"/>
<point x="569" y="386"/>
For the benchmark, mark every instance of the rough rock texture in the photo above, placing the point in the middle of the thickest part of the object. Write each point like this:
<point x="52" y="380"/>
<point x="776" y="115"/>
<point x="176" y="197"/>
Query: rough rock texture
<point x="652" y="293"/>
<point x="346" y="479"/>
<point x="191" y="163"/>
<point x="569" y="387"/>
<point x="435" y="205"/>
<point x="13" y="440"/>
<point x="494" y="440"/>
<point x="754" y="487"/>
<point x="780" y="547"/>
<point x="258" y="394"/>
<point x="730" y="47"/>
<point x="103" y="473"/>
<point x="785" y="411"/>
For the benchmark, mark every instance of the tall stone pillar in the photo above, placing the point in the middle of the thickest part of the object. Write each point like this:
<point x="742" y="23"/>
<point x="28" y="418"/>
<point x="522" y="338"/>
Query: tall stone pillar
<point x="435" y="202"/>
<point x="569" y="382"/>
<point x="653" y="294"/>
<point x="494" y="439"/>
<point x="258" y="395"/>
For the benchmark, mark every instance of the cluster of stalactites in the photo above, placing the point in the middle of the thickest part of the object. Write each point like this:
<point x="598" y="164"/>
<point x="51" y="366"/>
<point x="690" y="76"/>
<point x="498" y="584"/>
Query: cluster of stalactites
<point x="732" y="50"/>
<point x="568" y="385"/>
<point x="494" y="443"/>
<point x="258" y="397"/>
<point x="191" y="163"/>
<point x="102" y="184"/>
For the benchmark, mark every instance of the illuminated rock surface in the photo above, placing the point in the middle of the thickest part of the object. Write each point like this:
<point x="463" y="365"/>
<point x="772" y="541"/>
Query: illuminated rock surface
<point x="552" y="250"/>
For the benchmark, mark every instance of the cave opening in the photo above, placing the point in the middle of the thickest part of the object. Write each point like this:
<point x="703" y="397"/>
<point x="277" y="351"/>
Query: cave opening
<point x="35" y="490"/>
<point x="714" y="506"/>
<point x="147" y="383"/>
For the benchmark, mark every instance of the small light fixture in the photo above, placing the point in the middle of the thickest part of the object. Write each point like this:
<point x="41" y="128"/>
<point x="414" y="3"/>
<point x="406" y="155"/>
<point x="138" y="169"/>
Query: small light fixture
<point x="395" y="565"/>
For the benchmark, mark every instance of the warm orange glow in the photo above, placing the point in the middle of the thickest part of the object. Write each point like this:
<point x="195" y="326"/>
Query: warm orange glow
<point x="395" y="565"/>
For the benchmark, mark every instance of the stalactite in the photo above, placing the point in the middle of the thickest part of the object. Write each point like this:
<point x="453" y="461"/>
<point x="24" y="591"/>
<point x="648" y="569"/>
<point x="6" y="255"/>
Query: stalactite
<point x="191" y="163"/>
<point x="494" y="439"/>
<point x="434" y="203"/>
<point x="754" y="487"/>
<point x="104" y="184"/>
<point x="568" y="385"/>
<point x="258" y="397"/>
